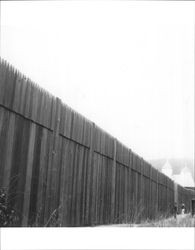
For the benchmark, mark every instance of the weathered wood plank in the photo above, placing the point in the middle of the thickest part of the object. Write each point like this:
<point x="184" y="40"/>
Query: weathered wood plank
<point x="113" y="182"/>
<point x="89" y="174"/>
<point x="28" y="176"/>
<point x="54" y="160"/>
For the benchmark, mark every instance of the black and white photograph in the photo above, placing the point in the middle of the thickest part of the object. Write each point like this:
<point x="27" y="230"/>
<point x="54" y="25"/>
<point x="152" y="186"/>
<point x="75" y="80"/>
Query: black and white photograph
<point x="97" y="115"/>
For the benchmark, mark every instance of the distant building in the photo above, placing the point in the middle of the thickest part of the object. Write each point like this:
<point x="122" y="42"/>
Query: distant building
<point x="167" y="169"/>
<point x="184" y="178"/>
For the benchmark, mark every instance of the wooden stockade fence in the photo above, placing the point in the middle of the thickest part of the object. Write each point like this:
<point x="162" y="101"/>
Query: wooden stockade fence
<point x="56" y="163"/>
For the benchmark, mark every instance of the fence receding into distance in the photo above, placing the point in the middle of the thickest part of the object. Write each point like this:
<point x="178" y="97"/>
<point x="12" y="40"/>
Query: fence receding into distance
<point x="55" y="161"/>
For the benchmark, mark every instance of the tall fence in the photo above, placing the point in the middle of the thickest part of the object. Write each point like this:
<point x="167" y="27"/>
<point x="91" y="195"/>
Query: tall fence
<point x="54" y="161"/>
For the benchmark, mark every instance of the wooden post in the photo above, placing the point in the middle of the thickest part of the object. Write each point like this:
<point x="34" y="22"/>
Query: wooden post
<point x="113" y="183"/>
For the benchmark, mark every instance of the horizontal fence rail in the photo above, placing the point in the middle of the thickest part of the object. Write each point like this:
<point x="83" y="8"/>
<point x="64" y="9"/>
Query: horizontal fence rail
<point x="60" y="169"/>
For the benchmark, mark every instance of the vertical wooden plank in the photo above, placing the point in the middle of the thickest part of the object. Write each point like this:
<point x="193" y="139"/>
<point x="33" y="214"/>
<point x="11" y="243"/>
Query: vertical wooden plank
<point x="22" y="142"/>
<point x="64" y="183"/>
<point x="46" y="109"/>
<point x="110" y="162"/>
<point x="167" y="200"/>
<point x="47" y="207"/>
<point x="79" y="187"/>
<point x="102" y="190"/>
<point x="28" y="175"/>
<point x="98" y="189"/>
<point x="89" y="172"/>
<point x="35" y="177"/>
<point x="70" y="162"/>
<point x="157" y="198"/>
<point x="125" y="194"/>
<point x="136" y="195"/>
<point x="119" y="192"/>
<point x="74" y="184"/>
<point x="16" y="97"/>
<point x="68" y="122"/>
<point x="9" y="148"/>
<point x="23" y="100"/>
<point x="9" y="87"/>
<point x="2" y="113"/>
<point x="40" y="190"/>
<point x="3" y="73"/>
<point x="105" y="190"/>
<point x="3" y="142"/>
<point x="94" y="181"/>
<point x="142" y="186"/>
<point x="109" y="188"/>
<point x="28" y="99"/>
<point x="113" y="182"/>
<point x="34" y="103"/>
<point x="146" y="197"/>
<point x="39" y="105"/>
<point x="74" y="150"/>
<point x="176" y="193"/>
<point x="116" y="210"/>
<point x="122" y="193"/>
<point x="96" y="164"/>
<point x="84" y="186"/>
<point x="54" y="161"/>
<point x="62" y="186"/>
<point x="107" y="203"/>
<point x="16" y="160"/>
<point x="128" y="194"/>
<point x="47" y="105"/>
<point x="150" y="192"/>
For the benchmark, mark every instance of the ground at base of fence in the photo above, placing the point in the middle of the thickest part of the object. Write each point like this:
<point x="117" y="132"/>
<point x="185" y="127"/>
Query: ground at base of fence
<point x="181" y="221"/>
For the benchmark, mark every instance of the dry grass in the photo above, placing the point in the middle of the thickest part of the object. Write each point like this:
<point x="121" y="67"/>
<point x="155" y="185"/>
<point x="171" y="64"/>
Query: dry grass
<point x="180" y="221"/>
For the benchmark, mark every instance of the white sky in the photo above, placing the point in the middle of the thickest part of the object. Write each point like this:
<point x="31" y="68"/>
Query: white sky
<point x="128" y="66"/>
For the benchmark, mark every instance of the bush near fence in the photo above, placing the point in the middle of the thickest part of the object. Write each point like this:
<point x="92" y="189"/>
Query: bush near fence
<point x="58" y="168"/>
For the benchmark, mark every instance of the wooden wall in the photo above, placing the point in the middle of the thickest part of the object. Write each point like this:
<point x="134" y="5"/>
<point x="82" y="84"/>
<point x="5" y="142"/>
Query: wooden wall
<point x="53" y="161"/>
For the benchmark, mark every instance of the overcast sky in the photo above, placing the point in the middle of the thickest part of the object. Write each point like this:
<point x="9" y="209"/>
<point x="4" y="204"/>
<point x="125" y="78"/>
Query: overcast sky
<point x="127" y="66"/>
